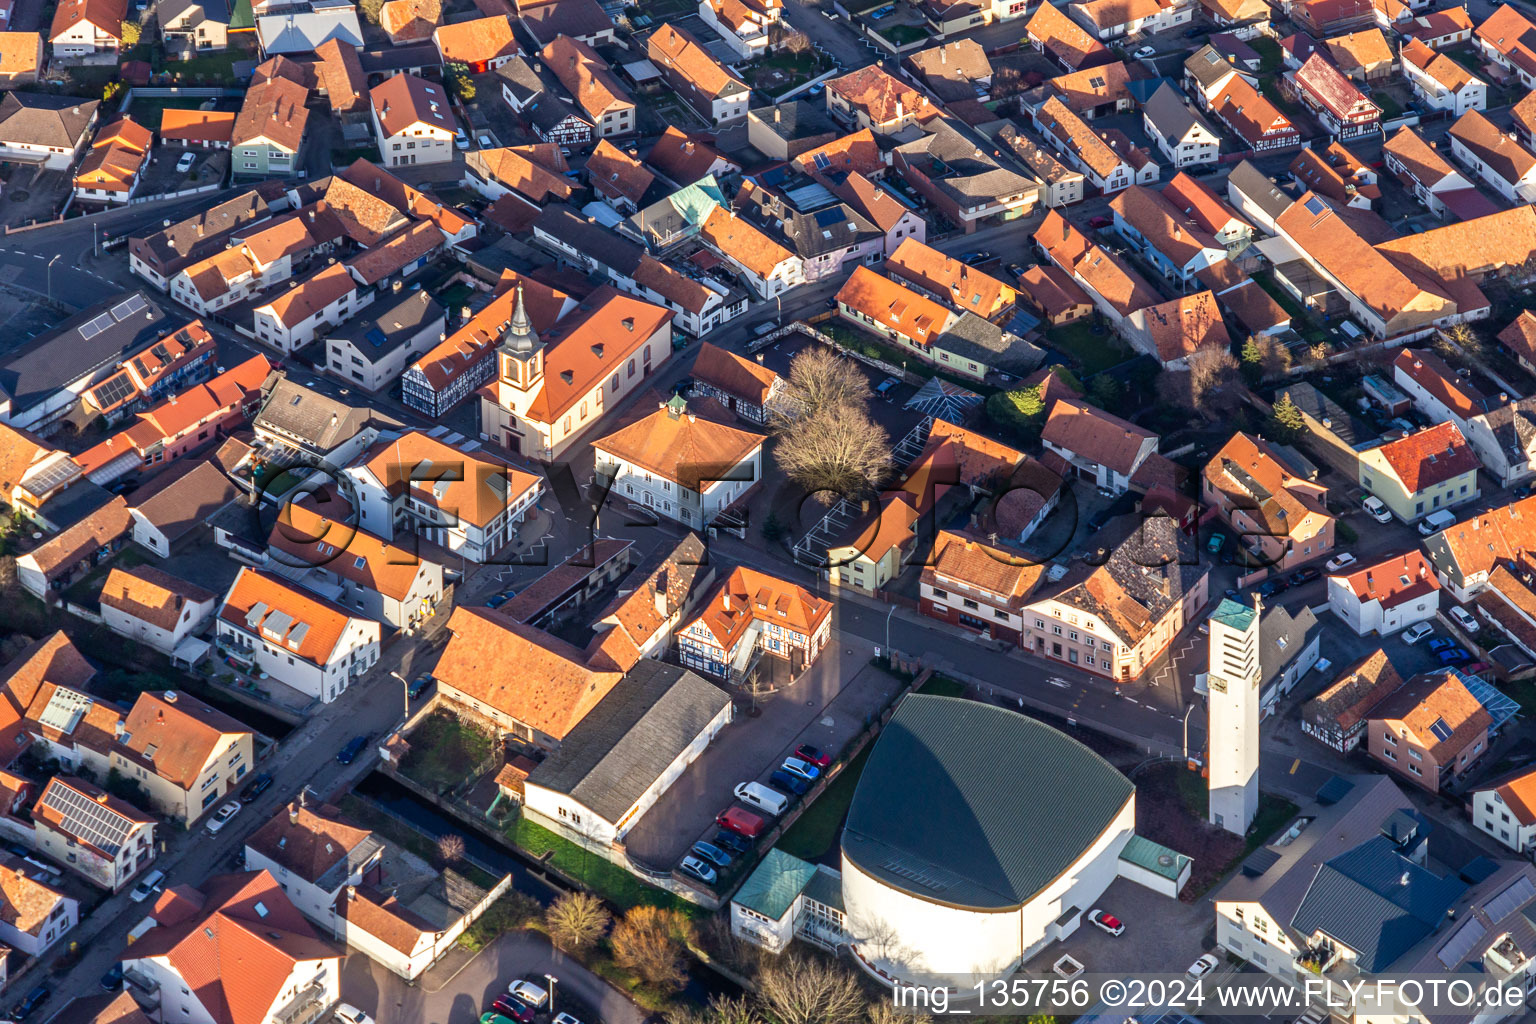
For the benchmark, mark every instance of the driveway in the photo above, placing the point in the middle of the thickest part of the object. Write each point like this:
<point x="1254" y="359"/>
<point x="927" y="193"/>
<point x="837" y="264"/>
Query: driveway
<point x="462" y="998"/>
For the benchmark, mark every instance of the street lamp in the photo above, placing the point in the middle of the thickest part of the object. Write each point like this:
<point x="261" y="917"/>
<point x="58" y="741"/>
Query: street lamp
<point x="553" y="981"/>
<point x="888" y="630"/>
<point x="1186" y="732"/>
<point x="406" y="691"/>
<point x="50" y="275"/>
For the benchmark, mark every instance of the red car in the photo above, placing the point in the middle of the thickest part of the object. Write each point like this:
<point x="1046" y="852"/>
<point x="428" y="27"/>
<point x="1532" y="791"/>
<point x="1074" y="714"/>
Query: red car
<point x="514" y="1009"/>
<point x="806" y="752"/>
<point x="1099" y="222"/>
<point x="741" y="821"/>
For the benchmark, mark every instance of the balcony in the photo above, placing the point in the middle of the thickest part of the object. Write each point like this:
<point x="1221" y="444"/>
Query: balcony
<point x="305" y="1007"/>
<point x="1317" y="959"/>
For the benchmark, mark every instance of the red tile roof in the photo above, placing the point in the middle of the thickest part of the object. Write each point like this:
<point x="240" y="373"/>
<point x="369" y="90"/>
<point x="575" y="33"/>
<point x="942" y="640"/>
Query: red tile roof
<point x="1432" y="456"/>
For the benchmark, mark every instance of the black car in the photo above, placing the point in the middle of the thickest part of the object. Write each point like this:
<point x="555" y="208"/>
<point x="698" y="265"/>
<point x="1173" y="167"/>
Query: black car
<point x="728" y="840"/>
<point x="975" y="259"/>
<point x="418" y="686"/>
<point x="1017" y="269"/>
<point x="259" y="785"/>
<point x="1306" y="575"/>
<point x="34" y="999"/>
<point x="354" y="747"/>
<point x="113" y="979"/>
<point x="1196" y="31"/>
<point x="789" y="783"/>
<point x="1269" y="588"/>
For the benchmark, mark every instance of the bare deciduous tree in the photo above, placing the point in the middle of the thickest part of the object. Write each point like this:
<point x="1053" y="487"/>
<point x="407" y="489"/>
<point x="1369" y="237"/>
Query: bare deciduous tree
<point x="1465" y="338"/>
<point x="838" y="452"/>
<point x="650" y="942"/>
<point x="576" y="921"/>
<point x="883" y="1011"/>
<point x="797" y="43"/>
<point x="820" y="379"/>
<point x="450" y="848"/>
<point x="722" y="1010"/>
<point x="805" y="990"/>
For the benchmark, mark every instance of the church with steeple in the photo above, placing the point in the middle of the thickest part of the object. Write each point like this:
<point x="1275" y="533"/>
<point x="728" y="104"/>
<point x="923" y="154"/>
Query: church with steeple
<point x="555" y="378"/>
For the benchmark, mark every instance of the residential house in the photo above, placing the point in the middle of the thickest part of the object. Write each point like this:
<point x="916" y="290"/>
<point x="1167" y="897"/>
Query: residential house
<point x="202" y="129"/>
<point x="185" y="754"/>
<point x="158" y="257"/>
<point x="294" y="318"/>
<point x="750" y="613"/>
<point x="1336" y="717"/>
<point x="1099" y="446"/>
<point x="1508" y="38"/>
<point x="1424" y="171"/>
<point x="1054" y="293"/>
<point x="74" y="551"/>
<point x="1422" y="473"/>
<point x="1113" y="19"/>
<point x="1440" y="82"/>
<point x="483" y="44"/>
<point x="962" y="182"/>
<point x="1436" y="389"/>
<point x="553" y="385"/>
<point x="40" y="128"/>
<point x="1505" y="808"/>
<point x="315" y="854"/>
<point x="81" y="28"/>
<point x="103" y="839"/>
<point x="1060" y="185"/>
<point x="306" y="642"/>
<point x="375" y="346"/>
<point x="698" y="306"/>
<point x="339" y="76"/>
<point x="593" y="85"/>
<point x="1115" y="289"/>
<point x="785" y="130"/>
<point x="1430" y="730"/>
<point x="1063" y="40"/>
<point x="1208" y="212"/>
<point x="978" y="586"/>
<point x="299" y="426"/>
<point x="1116" y="618"/>
<point x="1279" y="517"/>
<point x="470" y="502"/>
<point x="33" y="474"/>
<point x="768" y="268"/>
<point x="1255" y="120"/>
<point x="873" y="98"/>
<point x="1245" y="19"/>
<point x="560" y="683"/>
<point x="1519" y="338"/>
<point x="410" y="21"/>
<point x="1336" y="174"/>
<point x="744" y="25"/>
<point x="263" y="258"/>
<point x="1439" y="29"/>
<point x="1338" y="105"/>
<point x="583" y="20"/>
<point x="412" y="122"/>
<point x="1166" y="238"/>
<point x="305" y="29"/>
<point x="1108" y="168"/>
<point x="617" y="178"/>
<point x="682" y="466"/>
<point x="295" y="977"/>
<point x="268" y="136"/>
<point x="708" y="86"/>
<point x="1173" y="332"/>
<point x="1504" y="439"/>
<point x="1467" y="553"/>
<point x="1387" y="596"/>
<point x="1324" y="18"/>
<point x="154" y="608"/>
<point x="950" y="281"/>
<point x="1365" y="55"/>
<point x="1180" y="133"/>
<point x="1498" y="160"/>
<point x="684" y="159"/>
<point x="825" y="236"/>
<point x="534" y="174"/>
<point x="747" y="388"/>
<point x="34" y="914"/>
<point x="163" y="516"/>
<point x="1207" y="72"/>
<point x="111" y="169"/>
<point x="21" y="58"/>
<point x="956" y="70"/>
<point x="194" y="26"/>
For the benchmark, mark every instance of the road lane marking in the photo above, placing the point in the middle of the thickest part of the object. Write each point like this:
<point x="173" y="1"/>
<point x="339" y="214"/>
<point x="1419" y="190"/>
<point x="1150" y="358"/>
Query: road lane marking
<point x="1294" y="765"/>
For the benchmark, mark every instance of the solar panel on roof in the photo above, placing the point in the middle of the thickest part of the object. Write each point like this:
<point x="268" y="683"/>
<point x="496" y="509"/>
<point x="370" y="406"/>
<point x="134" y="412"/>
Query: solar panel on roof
<point x="821" y="161"/>
<point x="129" y="306"/>
<point x="1511" y="898"/>
<point x="375" y="337"/>
<point x="1440" y="729"/>
<point x="89" y="329"/>
<point x="113" y="390"/>
<point x="93" y="823"/>
<point x="1461" y="942"/>
<point x="50" y="477"/>
<point x="828" y="217"/>
<point x="1315" y="205"/>
<point x="64" y="710"/>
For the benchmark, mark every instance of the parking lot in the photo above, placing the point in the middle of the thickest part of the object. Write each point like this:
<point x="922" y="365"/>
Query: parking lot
<point x="1161" y="934"/>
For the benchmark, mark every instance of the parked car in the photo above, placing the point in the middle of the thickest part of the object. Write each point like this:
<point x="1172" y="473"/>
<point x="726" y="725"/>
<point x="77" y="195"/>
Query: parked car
<point x="528" y="993"/>
<point x="498" y="600"/>
<point x="728" y="840"/>
<point x="1196" y="32"/>
<point x="1145" y="53"/>
<point x="1416" y="632"/>
<point x="1463" y="618"/>
<point x="185" y="163"/>
<point x="485" y="141"/>
<point x="1216" y="543"/>
<point x="696" y="867"/>
<point x="815" y="755"/>
<point x="564" y="1018"/>
<point x="31" y="1001"/>
<point x="460" y="140"/>
<point x="1343" y="560"/>
<point x="349" y="1014"/>
<point x="418" y="686"/>
<point x="354" y="747"/>
<point x="741" y="821"/>
<point x="1016" y="270"/>
<point x="494" y="1017"/>
<point x="1109" y="922"/>
<point x="975" y="258"/>
<point x="147" y="886"/>
<point x="511" y="1010"/>
<point x="1200" y="968"/>
<point x="1269" y="588"/>
<point x="1306" y="575"/>
<point x="1440" y="643"/>
<point x="113" y="979"/>
<point x="885" y="387"/>
<point x="707" y="851"/>
<point x="1377" y="509"/>
<point x="1452" y="656"/>
<point x="222" y="816"/>
<point x="789" y="783"/>
<point x="258" y="785"/>
<point x="804" y="769"/>
<point x="1099" y="222"/>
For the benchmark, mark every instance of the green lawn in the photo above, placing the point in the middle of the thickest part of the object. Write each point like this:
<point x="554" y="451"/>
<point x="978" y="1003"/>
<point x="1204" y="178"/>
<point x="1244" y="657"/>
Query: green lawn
<point x="1269" y="53"/>
<point x="608" y="880"/>
<point x="216" y="67"/>
<point x="1390" y="108"/>
<point x="444" y="749"/>
<point x="1092" y="352"/>
<point x="814" y="832"/>
<point x="939" y="685"/>
<point x="1287" y="301"/>
<point x="901" y="35"/>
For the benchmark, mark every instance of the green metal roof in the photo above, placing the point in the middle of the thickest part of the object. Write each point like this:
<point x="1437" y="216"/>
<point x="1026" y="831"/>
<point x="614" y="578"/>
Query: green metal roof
<point x="826" y="888"/>
<point x="1234" y="615"/>
<point x="971" y="805"/>
<point x="1155" y="857"/>
<point x="775" y="885"/>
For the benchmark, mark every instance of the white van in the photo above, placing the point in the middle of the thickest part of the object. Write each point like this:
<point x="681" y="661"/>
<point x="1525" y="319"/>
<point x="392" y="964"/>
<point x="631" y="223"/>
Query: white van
<point x="147" y="886"/>
<point x="764" y="798"/>
<point x="1436" y="521"/>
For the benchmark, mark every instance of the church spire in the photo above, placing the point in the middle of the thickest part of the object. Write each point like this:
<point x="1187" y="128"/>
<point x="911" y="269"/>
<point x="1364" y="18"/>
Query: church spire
<point x="520" y="336"/>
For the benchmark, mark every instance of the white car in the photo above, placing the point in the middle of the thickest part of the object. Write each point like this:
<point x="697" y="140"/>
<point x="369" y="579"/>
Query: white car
<point x="1463" y="618"/>
<point x="460" y="140"/>
<point x="185" y="163"/>
<point x="1377" y="509"/>
<point x="1342" y="560"/>
<point x="564" y="1018"/>
<point x="349" y="1014"/>
<point x="1200" y="968"/>
<point x="222" y="816"/>
<point x="1145" y="52"/>
<point x="1108" y="922"/>
<point x="1416" y="632"/>
<point x="485" y="141"/>
<point x="528" y="992"/>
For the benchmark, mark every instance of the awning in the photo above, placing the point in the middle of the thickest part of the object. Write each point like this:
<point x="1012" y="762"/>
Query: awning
<point x="189" y="652"/>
